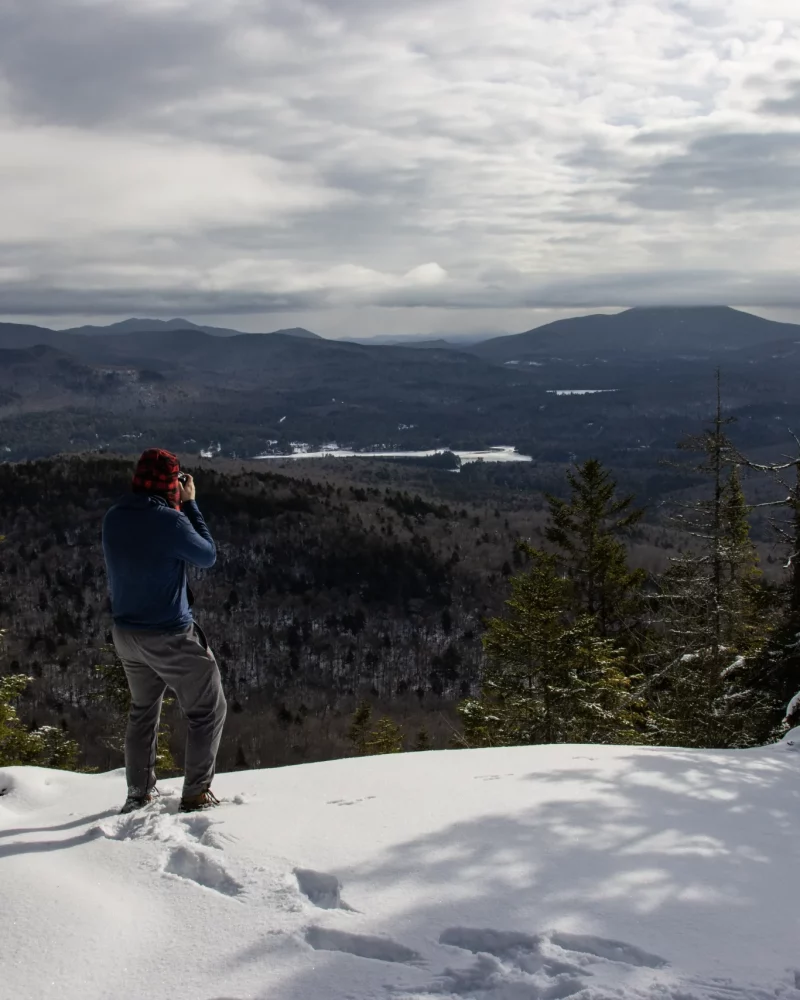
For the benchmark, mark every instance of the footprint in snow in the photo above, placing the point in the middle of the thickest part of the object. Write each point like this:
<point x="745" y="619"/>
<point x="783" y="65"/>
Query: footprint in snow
<point x="194" y="845"/>
<point x="324" y="891"/>
<point x="612" y="951"/>
<point x="162" y="826"/>
<point x="535" y="951"/>
<point x="379" y="949"/>
<point x="198" y="866"/>
<point x="349" y="802"/>
<point x="510" y="965"/>
<point x="203" y="830"/>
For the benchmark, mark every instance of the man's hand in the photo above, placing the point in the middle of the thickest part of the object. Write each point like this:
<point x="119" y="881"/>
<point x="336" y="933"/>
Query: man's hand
<point x="187" y="489"/>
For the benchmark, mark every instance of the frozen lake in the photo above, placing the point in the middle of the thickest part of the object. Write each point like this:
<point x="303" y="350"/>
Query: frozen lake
<point x="498" y="454"/>
<point x="577" y="392"/>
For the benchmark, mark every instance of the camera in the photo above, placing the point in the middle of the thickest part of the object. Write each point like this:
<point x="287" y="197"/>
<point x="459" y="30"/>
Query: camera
<point x="182" y="477"/>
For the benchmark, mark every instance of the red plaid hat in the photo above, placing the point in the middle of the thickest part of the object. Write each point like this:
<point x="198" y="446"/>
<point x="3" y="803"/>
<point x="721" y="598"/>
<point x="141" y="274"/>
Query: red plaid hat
<point x="157" y="472"/>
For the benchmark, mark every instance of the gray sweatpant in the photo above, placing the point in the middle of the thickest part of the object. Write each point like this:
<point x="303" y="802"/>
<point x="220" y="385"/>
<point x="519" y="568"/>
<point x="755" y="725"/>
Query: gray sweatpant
<point x="182" y="661"/>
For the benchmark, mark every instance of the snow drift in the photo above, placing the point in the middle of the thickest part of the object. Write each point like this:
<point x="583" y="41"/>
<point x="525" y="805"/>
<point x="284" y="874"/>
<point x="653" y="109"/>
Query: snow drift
<point x="530" y="873"/>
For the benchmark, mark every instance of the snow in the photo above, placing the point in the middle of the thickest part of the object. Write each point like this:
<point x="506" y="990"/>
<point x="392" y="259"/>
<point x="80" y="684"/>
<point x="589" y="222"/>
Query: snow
<point x="734" y="667"/>
<point x="578" y="392"/>
<point x="500" y="453"/>
<point x="793" y="705"/>
<point x="530" y="873"/>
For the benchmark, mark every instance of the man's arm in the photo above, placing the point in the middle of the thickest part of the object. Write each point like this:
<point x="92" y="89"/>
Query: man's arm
<point x="193" y="541"/>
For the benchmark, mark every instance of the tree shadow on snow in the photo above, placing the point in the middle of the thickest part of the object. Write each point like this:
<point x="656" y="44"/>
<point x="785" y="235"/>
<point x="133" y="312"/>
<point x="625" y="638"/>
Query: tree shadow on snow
<point x="665" y="838"/>
<point x="71" y="825"/>
<point x="46" y="846"/>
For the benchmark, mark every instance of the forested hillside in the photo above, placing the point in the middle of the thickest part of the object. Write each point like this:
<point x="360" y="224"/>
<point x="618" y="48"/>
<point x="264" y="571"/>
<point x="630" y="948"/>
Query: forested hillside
<point x="321" y="594"/>
<point x="371" y="614"/>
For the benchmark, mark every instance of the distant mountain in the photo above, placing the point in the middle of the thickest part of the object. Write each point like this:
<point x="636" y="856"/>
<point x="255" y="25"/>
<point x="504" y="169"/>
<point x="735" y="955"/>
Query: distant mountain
<point x="450" y="341"/>
<point x="138" y="326"/>
<point x="43" y="377"/>
<point x="163" y="325"/>
<point x="439" y="344"/>
<point x="24" y="335"/>
<point x="294" y="331"/>
<point x="666" y="331"/>
<point x="442" y="344"/>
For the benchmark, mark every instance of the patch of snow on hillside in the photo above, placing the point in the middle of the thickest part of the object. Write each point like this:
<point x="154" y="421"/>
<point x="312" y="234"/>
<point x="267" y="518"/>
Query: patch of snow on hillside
<point x="578" y="392"/>
<point x="530" y="873"/>
<point x="499" y="453"/>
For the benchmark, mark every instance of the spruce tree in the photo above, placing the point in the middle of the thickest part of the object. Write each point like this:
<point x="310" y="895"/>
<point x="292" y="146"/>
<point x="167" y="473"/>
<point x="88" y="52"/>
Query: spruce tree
<point x="704" y="520"/>
<point x="387" y="737"/>
<point x="761" y="684"/>
<point x="586" y="530"/>
<point x="359" y="731"/>
<point x="741" y="592"/>
<point x="549" y="678"/>
<point x="422" y="741"/>
<point x="45" y="746"/>
<point x="713" y="609"/>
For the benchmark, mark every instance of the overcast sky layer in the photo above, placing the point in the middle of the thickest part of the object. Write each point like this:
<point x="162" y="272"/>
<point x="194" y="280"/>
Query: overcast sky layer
<point x="425" y="165"/>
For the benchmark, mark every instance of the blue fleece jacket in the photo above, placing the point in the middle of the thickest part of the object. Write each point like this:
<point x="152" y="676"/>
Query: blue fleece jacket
<point x="147" y="545"/>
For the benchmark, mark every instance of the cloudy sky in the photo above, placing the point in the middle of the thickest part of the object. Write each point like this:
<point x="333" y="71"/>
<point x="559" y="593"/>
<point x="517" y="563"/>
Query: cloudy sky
<point x="361" y="167"/>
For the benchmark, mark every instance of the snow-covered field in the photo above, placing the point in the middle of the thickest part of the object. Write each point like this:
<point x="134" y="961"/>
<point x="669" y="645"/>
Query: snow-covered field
<point x="498" y="454"/>
<point x="533" y="873"/>
<point x="578" y="392"/>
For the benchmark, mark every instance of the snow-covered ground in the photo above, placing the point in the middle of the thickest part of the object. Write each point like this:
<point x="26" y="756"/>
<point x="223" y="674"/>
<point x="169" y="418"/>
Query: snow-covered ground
<point x="578" y="392"/>
<point x="501" y="453"/>
<point x="534" y="873"/>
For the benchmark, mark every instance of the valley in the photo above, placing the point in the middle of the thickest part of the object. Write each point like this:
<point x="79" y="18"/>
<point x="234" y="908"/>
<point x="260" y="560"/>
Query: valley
<point x="623" y="388"/>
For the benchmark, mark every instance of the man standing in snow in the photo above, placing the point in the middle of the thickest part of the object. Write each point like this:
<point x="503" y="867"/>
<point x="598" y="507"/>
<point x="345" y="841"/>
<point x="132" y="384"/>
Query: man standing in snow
<point x="149" y="537"/>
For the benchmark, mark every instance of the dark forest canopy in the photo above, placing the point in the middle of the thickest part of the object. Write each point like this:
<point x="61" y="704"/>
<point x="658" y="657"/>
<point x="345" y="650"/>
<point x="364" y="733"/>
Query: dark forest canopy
<point x="339" y="582"/>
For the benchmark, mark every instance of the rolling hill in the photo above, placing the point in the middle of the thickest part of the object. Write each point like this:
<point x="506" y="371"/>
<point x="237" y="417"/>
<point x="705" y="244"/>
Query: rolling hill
<point x="537" y="391"/>
<point x="708" y="331"/>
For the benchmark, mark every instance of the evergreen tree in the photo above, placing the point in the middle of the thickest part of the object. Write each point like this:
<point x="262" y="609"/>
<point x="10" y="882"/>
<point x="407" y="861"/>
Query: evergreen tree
<point x="706" y="520"/>
<point x="422" y="741"/>
<point x="549" y="678"/>
<point x="387" y="737"/>
<point x="586" y="530"/>
<point x="359" y="731"/>
<point x="714" y="611"/>
<point x="45" y="746"/>
<point x="771" y="676"/>
<point x="741" y="592"/>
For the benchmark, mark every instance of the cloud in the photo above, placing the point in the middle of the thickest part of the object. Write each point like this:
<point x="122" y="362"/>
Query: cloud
<point x="224" y="157"/>
<point x="754" y="171"/>
<point x="788" y="105"/>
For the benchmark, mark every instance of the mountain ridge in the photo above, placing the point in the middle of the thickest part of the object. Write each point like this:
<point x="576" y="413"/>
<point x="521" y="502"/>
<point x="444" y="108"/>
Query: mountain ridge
<point x="643" y="330"/>
<point x="146" y="325"/>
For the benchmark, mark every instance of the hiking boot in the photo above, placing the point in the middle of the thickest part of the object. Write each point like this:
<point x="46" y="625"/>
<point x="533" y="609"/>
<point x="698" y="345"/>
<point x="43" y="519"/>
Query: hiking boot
<point x="134" y="802"/>
<point x="203" y="800"/>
